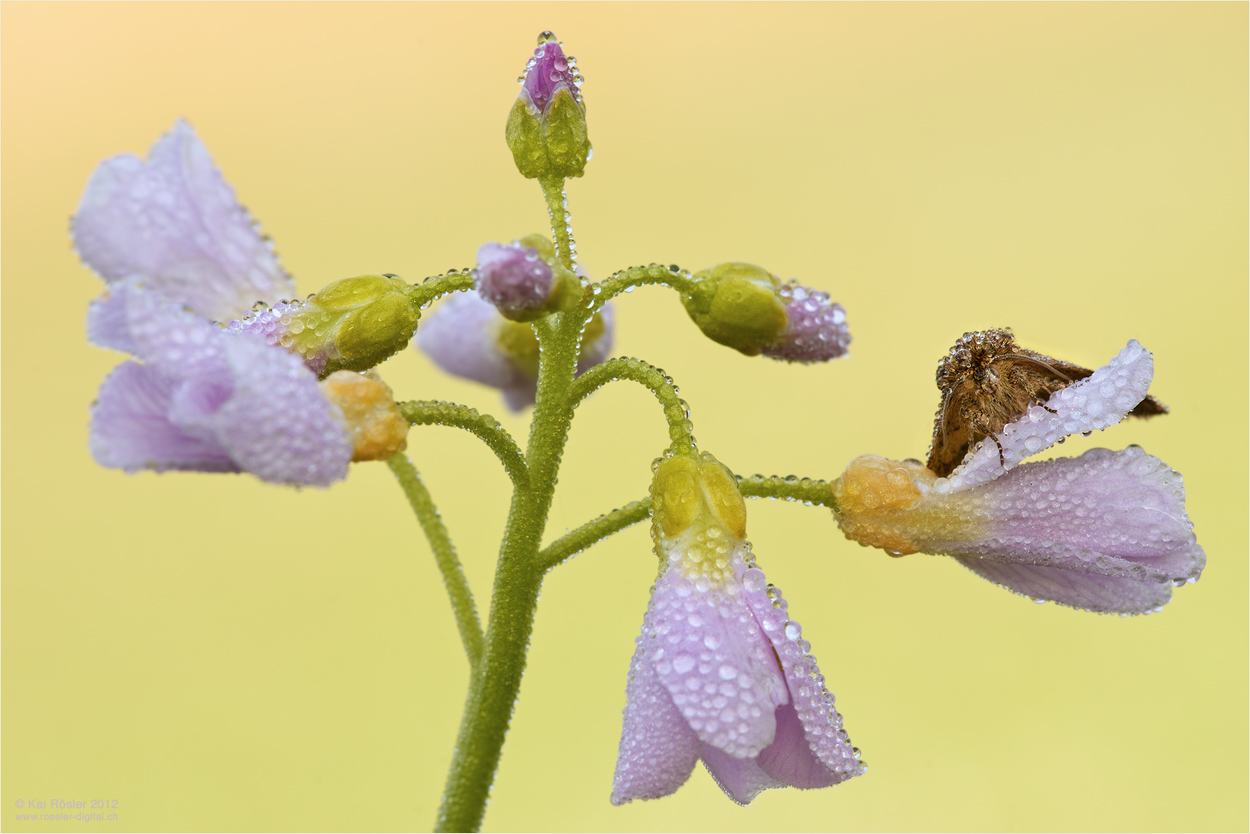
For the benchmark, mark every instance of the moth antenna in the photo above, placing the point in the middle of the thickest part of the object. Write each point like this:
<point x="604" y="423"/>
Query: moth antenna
<point x="1035" y="361"/>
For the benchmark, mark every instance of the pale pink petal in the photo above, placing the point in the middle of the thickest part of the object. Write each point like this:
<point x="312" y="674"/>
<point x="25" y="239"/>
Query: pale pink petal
<point x="175" y="222"/>
<point x="1096" y="402"/>
<point x="658" y="749"/>
<point x="1091" y="592"/>
<point x="131" y="428"/>
<point x="811" y="749"/>
<point x="461" y="336"/>
<point x="741" y="779"/>
<point x="1106" y="531"/>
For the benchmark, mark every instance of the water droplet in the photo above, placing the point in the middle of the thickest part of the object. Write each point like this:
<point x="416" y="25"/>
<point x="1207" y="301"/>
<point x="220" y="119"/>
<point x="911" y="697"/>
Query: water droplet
<point x="546" y="37"/>
<point x="754" y="580"/>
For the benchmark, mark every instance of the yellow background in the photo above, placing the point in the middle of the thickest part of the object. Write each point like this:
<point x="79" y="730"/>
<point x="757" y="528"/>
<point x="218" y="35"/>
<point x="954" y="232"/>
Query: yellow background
<point x="217" y="653"/>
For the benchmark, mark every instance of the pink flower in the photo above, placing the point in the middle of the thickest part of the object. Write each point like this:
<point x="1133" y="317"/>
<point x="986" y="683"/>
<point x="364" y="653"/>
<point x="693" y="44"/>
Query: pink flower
<point x="177" y="250"/>
<point x="1106" y="531"/>
<point x="720" y="672"/>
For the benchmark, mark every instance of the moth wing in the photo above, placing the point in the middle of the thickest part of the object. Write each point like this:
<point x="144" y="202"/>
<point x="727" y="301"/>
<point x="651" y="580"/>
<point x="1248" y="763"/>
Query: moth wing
<point x="952" y="436"/>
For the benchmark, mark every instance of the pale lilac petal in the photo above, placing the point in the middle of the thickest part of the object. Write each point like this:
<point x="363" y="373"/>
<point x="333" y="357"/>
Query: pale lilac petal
<point x="1106" y="531"/>
<point x="741" y="779"/>
<point x="815" y="330"/>
<point x="1096" y="402"/>
<point x="108" y="325"/>
<point x="461" y="336"/>
<point x="212" y="400"/>
<point x="1105" y="594"/>
<point x="658" y="749"/>
<point x="811" y="750"/>
<point x="175" y="222"/>
<point x="715" y="661"/>
<point x="277" y="424"/>
<point x="131" y="428"/>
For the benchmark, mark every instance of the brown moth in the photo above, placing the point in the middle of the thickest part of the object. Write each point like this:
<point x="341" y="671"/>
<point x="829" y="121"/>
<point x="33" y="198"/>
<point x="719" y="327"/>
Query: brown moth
<point x="988" y="381"/>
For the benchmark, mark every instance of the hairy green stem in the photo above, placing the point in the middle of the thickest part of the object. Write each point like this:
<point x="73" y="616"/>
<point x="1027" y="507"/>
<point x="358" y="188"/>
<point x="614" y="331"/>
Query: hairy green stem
<point x="789" y="488"/>
<point x="496" y="681"/>
<point x="436" y="286"/>
<point x="576" y="541"/>
<point x="640" y="276"/>
<point x="553" y="193"/>
<point x="676" y="411"/>
<point x="802" y="490"/>
<point x="483" y="426"/>
<point x="462" y="606"/>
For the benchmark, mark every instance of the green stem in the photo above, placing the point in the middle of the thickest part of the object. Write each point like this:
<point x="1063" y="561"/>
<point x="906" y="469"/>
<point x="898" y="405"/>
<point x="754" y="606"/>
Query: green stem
<point x="802" y="490"/>
<point x="808" y="491"/>
<point x="676" y="411"/>
<point x="462" y="605"/>
<point x="437" y="286"/>
<point x="553" y="193"/>
<point x="496" y="681"/>
<point x="640" y="276"/>
<point x="576" y="541"/>
<point x="483" y="426"/>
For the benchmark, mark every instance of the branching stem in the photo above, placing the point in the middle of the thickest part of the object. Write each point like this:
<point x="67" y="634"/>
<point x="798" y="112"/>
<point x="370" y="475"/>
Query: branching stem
<point x="484" y="426"/>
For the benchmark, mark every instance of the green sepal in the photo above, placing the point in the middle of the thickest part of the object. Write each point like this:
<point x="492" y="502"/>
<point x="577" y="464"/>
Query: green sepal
<point x="355" y="323"/>
<point x="737" y="305"/>
<point x="552" y="146"/>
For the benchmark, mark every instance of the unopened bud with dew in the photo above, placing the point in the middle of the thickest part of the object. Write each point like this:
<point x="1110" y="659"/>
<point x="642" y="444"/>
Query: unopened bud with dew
<point x="352" y="324"/>
<point x="747" y="308"/>
<point x="524" y="279"/>
<point x="546" y="129"/>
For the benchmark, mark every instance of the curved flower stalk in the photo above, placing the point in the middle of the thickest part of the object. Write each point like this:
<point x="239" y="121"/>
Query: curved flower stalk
<point x="720" y="672"/>
<point x="467" y="337"/>
<point x="176" y="251"/>
<point x="1106" y="531"/>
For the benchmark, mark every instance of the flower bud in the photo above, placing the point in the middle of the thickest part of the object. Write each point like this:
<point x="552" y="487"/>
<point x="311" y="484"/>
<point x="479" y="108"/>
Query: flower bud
<point x="690" y="494"/>
<point x="546" y="129"/>
<point x="369" y="410"/>
<point x="750" y="310"/>
<point x="352" y="324"/>
<point x="524" y="279"/>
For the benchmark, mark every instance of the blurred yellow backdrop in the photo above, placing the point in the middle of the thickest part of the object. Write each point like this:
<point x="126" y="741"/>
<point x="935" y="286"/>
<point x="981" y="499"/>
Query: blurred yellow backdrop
<point x="219" y="654"/>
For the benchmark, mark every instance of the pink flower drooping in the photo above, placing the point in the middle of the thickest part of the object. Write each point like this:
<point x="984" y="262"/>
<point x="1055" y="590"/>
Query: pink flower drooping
<point x="721" y="673"/>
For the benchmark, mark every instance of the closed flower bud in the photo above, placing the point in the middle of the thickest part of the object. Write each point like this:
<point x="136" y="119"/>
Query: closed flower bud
<point x="378" y="429"/>
<point x="352" y="324"/>
<point x="524" y="279"/>
<point x="546" y="129"/>
<point x="750" y="310"/>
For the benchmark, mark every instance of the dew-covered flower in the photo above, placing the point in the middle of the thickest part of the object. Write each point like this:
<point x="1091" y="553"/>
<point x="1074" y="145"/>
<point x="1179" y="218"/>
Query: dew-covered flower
<point x="207" y="400"/>
<point x="467" y="337"/>
<point x="720" y="672"/>
<point x="1106" y="531"/>
<point x="177" y="251"/>
<point x="174" y="222"/>
<point x="753" y="311"/>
